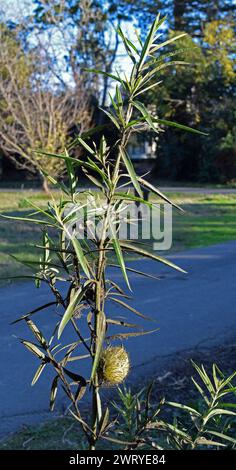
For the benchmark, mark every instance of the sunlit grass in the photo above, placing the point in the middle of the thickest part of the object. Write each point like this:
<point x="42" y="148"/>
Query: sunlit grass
<point x="207" y="220"/>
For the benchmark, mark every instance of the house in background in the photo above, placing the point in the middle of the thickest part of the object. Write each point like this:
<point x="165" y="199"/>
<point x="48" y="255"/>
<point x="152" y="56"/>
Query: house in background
<point x="142" y="149"/>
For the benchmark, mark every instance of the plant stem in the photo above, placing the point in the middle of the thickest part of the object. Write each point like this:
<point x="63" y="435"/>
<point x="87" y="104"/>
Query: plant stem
<point x="100" y="285"/>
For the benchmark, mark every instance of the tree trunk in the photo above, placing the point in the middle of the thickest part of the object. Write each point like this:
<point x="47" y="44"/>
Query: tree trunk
<point x="45" y="186"/>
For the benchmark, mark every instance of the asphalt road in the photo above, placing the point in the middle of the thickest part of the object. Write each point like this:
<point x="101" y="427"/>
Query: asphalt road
<point x="198" y="308"/>
<point x="167" y="189"/>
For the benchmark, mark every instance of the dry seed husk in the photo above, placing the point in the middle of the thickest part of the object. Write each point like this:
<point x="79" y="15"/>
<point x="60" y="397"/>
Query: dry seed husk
<point x="114" y="365"/>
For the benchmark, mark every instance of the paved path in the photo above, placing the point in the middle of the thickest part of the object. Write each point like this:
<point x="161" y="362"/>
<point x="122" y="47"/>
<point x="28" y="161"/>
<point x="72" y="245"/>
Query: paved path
<point x="193" y="190"/>
<point x="191" y="309"/>
<point x="167" y="189"/>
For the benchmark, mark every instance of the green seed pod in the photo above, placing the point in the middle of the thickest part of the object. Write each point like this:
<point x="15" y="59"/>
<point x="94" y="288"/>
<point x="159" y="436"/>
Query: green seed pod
<point x="113" y="365"/>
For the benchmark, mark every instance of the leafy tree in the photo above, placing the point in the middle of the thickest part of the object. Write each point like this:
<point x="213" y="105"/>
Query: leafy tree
<point x="195" y="95"/>
<point x="188" y="15"/>
<point x="33" y="113"/>
<point x="88" y="36"/>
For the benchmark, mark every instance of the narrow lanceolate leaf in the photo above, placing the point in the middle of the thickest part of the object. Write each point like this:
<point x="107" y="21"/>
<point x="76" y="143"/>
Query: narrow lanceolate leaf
<point x="122" y="323"/>
<point x="151" y="255"/>
<point x="201" y="391"/>
<point x="147" y="116"/>
<point x="37" y="333"/>
<point x="56" y="183"/>
<point x="206" y="380"/>
<point x="143" y="90"/>
<point x="136" y="271"/>
<point x="184" y="407"/>
<point x="156" y="191"/>
<point x="201" y="440"/>
<point x="100" y="72"/>
<point x="86" y="135"/>
<point x="119" y="255"/>
<point x="27" y="219"/>
<point x="71" y="175"/>
<point x="80" y="255"/>
<point x="46" y="252"/>
<point x="32" y="312"/>
<point x="34" y="349"/>
<point x="182" y="127"/>
<point x="218" y="412"/>
<point x="111" y="117"/>
<point x="77" y="379"/>
<point x="38" y="373"/>
<point x="160" y="67"/>
<point x="53" y="392"/>
<point x="222" y="436"/>
<point x="104" y="421"/>
<point x="128" y="307"/>
<point x="61" y="156"/>
<point x="119" y="99"/>
<point x="131" y="172"/>
<point x="85" y="145"/>
<point x="156" y="47"/>
<point x="101" y="329"/>
<point x="129" y="46"/>
<point x="130" y="335"/>
<point x="149" y="40"/>
<point x="70" y="310"/>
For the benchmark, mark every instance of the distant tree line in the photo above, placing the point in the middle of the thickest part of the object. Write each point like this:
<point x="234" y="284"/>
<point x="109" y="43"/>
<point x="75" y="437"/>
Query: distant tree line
<point x="47" y="98"/>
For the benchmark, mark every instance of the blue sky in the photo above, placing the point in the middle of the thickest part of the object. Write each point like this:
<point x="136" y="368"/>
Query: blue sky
<point x="15" y="8"/>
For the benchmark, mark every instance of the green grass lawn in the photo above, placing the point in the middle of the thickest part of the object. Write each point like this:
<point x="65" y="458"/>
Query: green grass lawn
<point x="16" y="237"/>
<point x="62" y="434"/>
<point x="208" y="219"/>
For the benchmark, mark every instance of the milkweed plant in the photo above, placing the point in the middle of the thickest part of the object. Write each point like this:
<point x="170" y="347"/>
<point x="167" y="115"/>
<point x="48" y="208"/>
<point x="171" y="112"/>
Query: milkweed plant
<point x="75" y="267"/>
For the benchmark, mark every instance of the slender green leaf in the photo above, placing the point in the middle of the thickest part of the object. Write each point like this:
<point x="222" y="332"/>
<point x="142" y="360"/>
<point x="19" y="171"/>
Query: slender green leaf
<point x="85" y="145"/>
<point x="53" y="392"/>
<point x="218" y="412"/>
<point x="37" y="333"/>
<point x="122" y="323"/>
<point x="104" y="421"/>
<point x="201" y="440"/>
<point x="149" y="40"/>
<point x="143" y="90"/>
<point x="129" y="46"/>
<point x="201" y="391"/>
<point x="131" y="171"/>
<point x="111" y="117"/>
<point x="119" y="255"/>
<point x="182" y="127"/>
<point x="128" y="307"/>
<point x="32" y="312"/>
<point x="80" y="255"/>
<point x="147" y="116"/>
<point x="131" y="335"/>
<point x="101" y="329"/>
<point x="71" y="175"/>
<point x="100" y="72"/>
<point x="222" y="436"/>
<point x="184" y="407"/>
<point x="156" y="191"/>
<point x="78" y="295"/>
<point x="156" y="47"/>
<point x="27" y="219"/>
<point x="34" y="349"/>
<point x="151" y="255"/>
<point x="38" y="373"/>
<point x="172" y="63"/>
<point x="136" y="271"/>
<point x="206" y="380"/>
